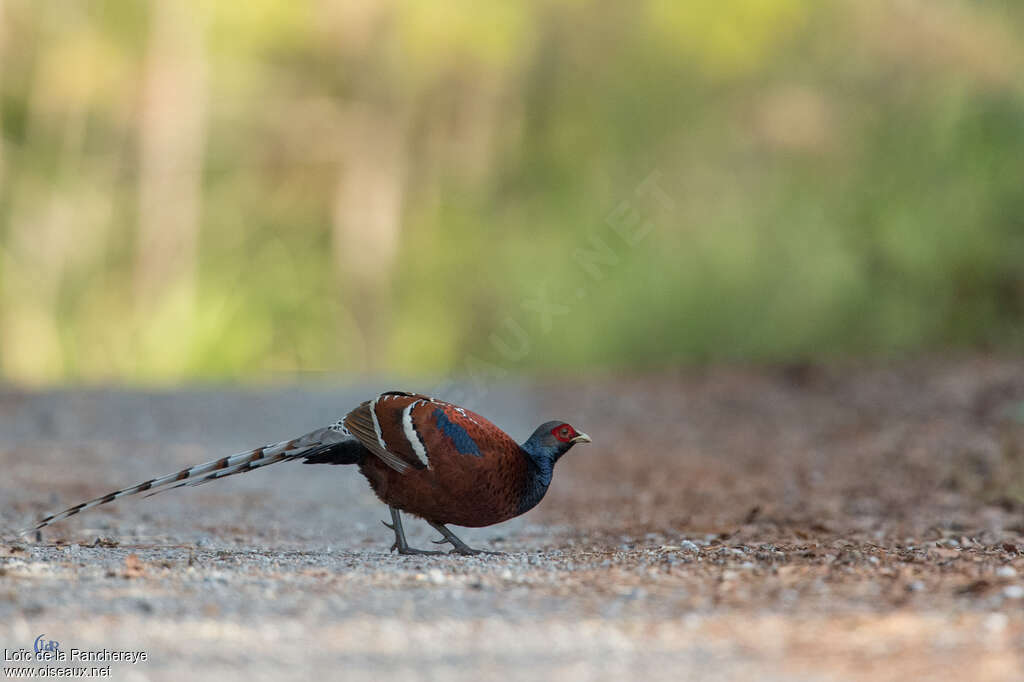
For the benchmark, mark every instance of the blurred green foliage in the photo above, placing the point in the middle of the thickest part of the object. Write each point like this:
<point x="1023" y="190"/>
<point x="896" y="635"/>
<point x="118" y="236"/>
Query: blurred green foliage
<point x="346" y="186"/>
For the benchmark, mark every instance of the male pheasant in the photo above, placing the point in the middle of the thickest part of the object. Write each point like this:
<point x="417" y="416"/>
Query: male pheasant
<point x="421" y="455"/>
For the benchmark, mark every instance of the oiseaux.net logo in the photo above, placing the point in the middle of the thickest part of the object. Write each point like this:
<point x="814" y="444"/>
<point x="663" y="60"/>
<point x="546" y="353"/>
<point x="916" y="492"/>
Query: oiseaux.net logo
<point x="37" y="661"/>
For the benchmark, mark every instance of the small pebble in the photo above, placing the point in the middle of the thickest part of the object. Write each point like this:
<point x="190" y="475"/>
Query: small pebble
<point x="1013" y="592"/>
<point x="996" y="622"/>
<point x="1006" y="572"/>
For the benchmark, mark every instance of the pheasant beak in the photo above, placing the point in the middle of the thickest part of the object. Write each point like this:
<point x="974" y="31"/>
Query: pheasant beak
<point x="580" y="438"/>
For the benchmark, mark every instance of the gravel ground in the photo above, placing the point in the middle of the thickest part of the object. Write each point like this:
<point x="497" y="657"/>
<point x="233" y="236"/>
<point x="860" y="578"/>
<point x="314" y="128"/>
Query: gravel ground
<point x="792" y="523"/>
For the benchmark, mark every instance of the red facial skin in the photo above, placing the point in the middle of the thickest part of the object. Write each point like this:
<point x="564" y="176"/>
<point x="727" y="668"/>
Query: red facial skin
<point x="564" y="433"/>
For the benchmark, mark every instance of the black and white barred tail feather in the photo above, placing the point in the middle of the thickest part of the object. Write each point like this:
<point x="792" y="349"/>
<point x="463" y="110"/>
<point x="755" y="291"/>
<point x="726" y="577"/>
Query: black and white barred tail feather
<point x="312" y="445"/>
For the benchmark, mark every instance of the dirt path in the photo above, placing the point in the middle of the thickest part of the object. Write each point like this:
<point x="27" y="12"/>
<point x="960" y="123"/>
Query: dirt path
<point x="793" y="523"/>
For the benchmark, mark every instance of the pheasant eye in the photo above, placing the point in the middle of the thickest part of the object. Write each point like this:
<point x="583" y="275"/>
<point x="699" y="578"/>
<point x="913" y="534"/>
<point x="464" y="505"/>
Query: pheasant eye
<point x="563" y="432"/>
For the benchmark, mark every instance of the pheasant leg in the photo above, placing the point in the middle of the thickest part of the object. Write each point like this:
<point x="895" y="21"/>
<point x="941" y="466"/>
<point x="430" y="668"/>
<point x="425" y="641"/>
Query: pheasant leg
<point x="400" y="543"/>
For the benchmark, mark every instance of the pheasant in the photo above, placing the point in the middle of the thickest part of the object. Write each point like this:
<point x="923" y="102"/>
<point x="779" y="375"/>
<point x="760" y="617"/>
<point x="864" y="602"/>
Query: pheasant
<point x="426" y="457"/>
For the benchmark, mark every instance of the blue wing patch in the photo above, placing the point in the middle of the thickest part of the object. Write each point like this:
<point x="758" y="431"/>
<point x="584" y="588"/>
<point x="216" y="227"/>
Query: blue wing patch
<point x="463" y="443"/>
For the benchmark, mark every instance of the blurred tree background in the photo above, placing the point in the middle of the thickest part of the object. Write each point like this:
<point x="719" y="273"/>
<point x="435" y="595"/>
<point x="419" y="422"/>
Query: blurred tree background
<point x="196" y="190"/>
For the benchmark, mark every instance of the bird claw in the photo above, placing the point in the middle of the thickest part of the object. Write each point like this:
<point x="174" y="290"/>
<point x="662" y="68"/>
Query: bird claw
<point x="413" y="550"/>
<point x="471" y="551"/>
<point x="465" y="551"/>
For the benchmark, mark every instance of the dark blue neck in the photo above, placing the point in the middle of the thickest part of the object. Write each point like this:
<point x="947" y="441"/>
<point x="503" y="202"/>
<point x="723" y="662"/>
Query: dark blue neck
<point x="540" y="463"/>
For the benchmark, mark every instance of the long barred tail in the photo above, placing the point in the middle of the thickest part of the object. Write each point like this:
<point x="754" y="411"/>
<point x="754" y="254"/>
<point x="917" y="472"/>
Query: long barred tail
<point x="316" y="444"/>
